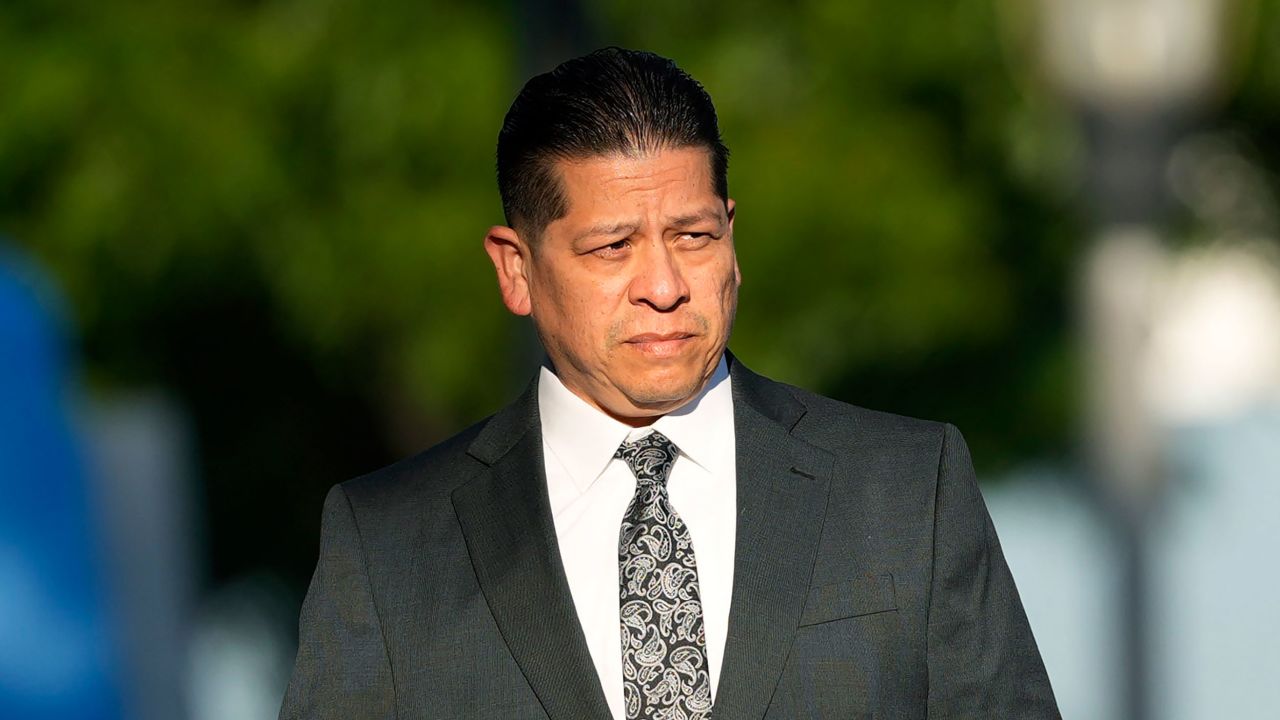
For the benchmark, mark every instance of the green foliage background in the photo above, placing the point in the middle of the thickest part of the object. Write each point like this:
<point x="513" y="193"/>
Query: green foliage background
<point x="274" y="210"/>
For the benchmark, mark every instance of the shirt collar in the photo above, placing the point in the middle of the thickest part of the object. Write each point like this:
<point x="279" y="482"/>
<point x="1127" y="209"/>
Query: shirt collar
<point x="584" y="439"/>
<point x="703" y="427"/>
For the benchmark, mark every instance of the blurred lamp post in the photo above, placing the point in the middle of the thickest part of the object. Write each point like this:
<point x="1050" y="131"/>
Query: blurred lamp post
<point x="1138" y="73"/>
<point x="1133" y="55"/>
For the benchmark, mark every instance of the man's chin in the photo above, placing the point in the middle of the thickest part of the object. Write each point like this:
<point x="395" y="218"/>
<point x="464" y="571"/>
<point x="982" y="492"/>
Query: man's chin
<point x="663" y="397"/>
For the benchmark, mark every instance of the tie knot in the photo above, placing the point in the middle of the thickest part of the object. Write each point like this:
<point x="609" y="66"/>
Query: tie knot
<point x="650" y="458"/>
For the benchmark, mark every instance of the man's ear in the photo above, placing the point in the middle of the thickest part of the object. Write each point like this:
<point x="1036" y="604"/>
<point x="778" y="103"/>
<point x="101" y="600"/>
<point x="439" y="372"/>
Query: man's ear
<point x="731" y="207"/>
<point x="510" y="256"/>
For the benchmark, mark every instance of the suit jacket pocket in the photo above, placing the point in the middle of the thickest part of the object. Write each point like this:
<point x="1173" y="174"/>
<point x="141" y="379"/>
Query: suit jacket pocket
<point x="862" y="595"/>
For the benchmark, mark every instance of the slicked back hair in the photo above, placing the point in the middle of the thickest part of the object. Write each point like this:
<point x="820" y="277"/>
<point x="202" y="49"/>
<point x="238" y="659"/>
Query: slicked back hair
<point x="612" y="101"/>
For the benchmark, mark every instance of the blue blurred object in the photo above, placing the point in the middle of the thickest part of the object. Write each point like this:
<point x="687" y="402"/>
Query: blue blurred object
<point x="58" y="657"/>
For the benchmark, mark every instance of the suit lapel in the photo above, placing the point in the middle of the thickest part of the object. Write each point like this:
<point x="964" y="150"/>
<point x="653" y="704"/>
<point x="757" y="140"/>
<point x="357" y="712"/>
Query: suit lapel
<point x="783" y="485"/>
<point x="506" y="519"/>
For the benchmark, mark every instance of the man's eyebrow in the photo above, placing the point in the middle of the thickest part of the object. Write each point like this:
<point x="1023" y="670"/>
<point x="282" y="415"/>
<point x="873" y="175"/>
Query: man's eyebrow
<point x="608" y="228"/>
<point x="679" y="222"/>
<point x="684" y="221"/>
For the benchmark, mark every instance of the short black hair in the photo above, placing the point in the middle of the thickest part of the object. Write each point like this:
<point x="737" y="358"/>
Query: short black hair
<point x="610" y="101"/>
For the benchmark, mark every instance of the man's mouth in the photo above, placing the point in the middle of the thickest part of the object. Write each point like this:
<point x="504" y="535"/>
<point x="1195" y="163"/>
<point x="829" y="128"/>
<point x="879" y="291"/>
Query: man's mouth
<point x="660" y="344"/>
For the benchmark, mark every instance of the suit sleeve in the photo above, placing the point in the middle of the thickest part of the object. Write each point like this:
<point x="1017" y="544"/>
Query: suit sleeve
<point x="983" y="660"/>
<point x="342" y="669"/>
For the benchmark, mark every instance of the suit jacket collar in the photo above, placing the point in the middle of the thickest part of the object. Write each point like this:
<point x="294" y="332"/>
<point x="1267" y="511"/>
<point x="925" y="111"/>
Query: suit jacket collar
<point x="505" y="517"/>
<point x="506" y="428"/>
<point x="783" y="485"/>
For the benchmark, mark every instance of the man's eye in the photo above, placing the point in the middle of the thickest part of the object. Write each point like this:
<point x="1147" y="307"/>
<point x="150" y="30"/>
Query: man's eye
<point x="612" y="248"/>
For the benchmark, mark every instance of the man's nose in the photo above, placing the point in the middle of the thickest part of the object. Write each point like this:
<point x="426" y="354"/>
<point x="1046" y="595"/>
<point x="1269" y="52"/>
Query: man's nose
<point x="659" y="281"/>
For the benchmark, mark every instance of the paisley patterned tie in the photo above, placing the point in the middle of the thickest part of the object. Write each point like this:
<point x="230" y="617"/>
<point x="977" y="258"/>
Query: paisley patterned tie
<point x="664" y="655"/>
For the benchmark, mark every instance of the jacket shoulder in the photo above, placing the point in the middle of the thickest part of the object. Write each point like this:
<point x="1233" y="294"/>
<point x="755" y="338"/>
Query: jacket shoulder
<point x="839" y="423"/>
<point x="429" y="475"/>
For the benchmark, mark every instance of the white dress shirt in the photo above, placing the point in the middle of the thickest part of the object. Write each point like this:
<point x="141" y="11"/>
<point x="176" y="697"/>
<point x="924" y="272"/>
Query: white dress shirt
<point x="590" y="491"/>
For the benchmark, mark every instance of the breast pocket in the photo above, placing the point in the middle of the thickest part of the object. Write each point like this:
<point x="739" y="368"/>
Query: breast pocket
<point x="843" y="652"/>
<point x="862" y="595"/>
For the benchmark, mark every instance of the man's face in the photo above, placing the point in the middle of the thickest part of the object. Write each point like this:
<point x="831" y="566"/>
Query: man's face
<point x="633" y="291"/>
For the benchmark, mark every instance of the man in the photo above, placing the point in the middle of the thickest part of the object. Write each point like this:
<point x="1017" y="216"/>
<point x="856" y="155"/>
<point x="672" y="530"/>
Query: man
<point x="652" y="530"/>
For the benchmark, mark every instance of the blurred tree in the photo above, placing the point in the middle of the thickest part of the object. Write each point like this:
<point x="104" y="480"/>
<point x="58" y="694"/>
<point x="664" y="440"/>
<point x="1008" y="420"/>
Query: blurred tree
<point x="894" y="253"/>
<point x="1255" y="107"/>
<point x="275" y="209"/>
<point x="337" y="159"/>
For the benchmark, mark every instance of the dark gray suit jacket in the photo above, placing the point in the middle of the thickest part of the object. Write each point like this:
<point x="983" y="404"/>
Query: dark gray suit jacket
<point x="868" y="580"/>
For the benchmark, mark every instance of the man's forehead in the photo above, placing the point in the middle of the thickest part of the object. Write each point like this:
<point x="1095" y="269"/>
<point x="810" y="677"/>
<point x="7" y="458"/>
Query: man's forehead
<point x="693" y="160"/>
<point x="682" y="176"/>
